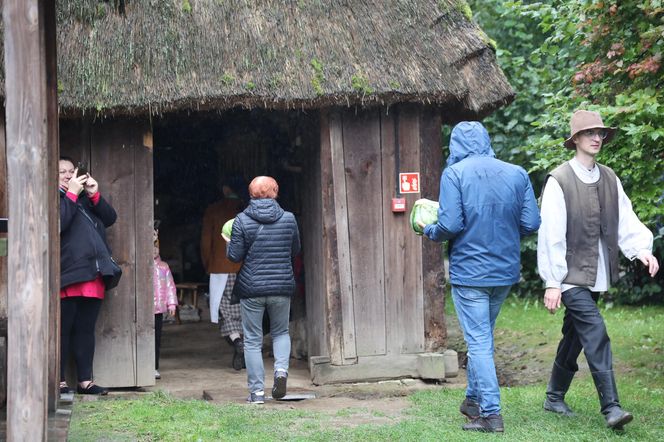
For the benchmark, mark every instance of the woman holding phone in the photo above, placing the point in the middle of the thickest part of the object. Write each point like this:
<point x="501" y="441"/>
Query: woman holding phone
<point x="85" y="263"/>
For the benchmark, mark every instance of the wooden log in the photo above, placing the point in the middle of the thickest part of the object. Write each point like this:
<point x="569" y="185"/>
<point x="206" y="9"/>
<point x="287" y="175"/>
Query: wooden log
<point x="32" y="198"/>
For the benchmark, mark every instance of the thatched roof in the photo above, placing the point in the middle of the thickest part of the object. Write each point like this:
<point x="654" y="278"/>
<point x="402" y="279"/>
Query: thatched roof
<point x="138" y="56"/>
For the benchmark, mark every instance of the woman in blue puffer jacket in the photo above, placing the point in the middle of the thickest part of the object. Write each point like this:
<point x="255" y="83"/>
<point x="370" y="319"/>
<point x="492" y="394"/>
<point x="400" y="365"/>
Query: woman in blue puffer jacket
<point x="265" y="237"/>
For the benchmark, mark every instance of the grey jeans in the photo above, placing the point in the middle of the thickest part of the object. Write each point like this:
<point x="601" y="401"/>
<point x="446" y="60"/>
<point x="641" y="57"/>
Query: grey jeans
<point x="278" y="310"/>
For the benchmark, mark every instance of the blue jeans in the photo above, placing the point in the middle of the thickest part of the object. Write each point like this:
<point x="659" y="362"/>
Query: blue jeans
<point x="278" y="310"/>
<point x="477" y="309"/>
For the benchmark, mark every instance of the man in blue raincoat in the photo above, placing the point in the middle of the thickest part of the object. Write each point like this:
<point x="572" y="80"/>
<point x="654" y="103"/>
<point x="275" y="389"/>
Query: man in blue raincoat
<point x="486" y="207"/>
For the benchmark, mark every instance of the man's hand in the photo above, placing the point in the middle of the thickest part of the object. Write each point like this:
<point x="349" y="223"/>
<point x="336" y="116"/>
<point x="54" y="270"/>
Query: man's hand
<point x="552" y="299"/>
<point x="651" y="262"/>
<point x="91" y="186"/>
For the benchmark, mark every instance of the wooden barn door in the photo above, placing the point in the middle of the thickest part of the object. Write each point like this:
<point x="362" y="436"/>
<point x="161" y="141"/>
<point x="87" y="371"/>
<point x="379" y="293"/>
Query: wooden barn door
<point x="119" y="154"/>
<point x="385" y="265"/>
<point x="383" y="285"/>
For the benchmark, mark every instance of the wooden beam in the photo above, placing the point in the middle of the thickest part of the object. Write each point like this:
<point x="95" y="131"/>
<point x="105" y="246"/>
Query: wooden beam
<point x="433" y="265"/>
<point x="32" y="198"/>
<point x="332" y="285"/>
<point x="53" y="154"/>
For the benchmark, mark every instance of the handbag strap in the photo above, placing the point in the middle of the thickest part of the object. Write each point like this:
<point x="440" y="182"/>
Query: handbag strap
<point x="255" y="237"/>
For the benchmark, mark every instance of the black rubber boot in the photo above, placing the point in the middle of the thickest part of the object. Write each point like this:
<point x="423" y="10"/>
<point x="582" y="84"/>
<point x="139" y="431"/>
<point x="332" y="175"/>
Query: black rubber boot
<point x="615" y="416"/>
<point x="555" y="392"/>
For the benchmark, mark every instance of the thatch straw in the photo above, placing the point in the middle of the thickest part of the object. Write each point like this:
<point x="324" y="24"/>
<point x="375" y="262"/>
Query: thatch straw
<point x="138" y="56"/>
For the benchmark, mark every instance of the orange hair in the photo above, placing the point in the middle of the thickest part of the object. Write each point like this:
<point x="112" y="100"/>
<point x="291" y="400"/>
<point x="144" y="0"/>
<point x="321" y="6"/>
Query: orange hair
<point x="263" y="187"/>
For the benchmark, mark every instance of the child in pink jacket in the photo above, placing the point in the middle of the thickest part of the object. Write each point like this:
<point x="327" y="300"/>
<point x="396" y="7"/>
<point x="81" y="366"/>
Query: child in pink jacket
<point x="165" y="299"/>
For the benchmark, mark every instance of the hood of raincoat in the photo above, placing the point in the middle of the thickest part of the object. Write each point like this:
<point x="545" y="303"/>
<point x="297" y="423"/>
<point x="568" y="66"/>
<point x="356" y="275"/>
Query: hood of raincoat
<point x="469" y="138"/>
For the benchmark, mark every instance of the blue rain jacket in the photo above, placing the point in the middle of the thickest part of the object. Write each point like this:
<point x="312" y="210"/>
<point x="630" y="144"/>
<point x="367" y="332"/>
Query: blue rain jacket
<point x="486" y="206"/>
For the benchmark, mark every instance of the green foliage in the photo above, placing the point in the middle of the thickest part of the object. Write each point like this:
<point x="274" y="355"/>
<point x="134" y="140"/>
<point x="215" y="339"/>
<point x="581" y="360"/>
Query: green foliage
<point x="360" y="83"/>
<point x="250" y="86"/>
<point x="319" y="77"/>
<point x="460" y="6"/>
<point x="186" y="6"/>
<point x="598" y="55"/>
<point x="227" y="79"/>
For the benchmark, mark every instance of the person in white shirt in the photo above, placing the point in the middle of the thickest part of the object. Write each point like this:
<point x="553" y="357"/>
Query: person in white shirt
<point x="586" y="220"/>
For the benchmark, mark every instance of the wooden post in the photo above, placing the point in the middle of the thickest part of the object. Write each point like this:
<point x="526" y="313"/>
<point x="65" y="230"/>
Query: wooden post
<point x="32" y="197"/>
<point x="433" y="265"/>
<point x="53" y="155"/>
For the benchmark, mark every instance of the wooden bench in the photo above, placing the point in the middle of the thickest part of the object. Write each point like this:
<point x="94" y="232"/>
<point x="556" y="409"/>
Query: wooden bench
<point x="187" y="288"/>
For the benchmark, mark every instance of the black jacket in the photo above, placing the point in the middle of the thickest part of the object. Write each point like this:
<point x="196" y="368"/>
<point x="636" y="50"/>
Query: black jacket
<point x="266" y="238"/>
<point x="83" y="249"/>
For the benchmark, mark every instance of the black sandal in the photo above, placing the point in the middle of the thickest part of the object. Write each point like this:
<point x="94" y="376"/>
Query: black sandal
<point x="92" y="388"/>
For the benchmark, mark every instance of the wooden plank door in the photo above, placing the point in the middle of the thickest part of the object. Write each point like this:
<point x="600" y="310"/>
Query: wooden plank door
<point x="364" y="197"/>
<point x="124" y="354"/>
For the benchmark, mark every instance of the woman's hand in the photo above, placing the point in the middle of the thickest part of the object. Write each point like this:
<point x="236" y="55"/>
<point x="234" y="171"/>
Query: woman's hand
<point x="91" y="186"/>
<point x="76" y="183"/>
<point x="171" y="310"/>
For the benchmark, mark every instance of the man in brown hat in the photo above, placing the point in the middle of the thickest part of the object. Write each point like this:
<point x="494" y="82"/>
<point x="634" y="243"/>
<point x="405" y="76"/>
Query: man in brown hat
<point x="578" y="259"/>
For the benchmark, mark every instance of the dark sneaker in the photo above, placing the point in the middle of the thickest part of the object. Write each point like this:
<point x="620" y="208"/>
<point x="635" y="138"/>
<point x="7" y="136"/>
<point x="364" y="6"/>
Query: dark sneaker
<point x="238" y="354"/>
<point x="470" y="409"/>
<point x="490" y="424"/>
<point x="256" y="398"/>
<point x="279" y="387"/>
<point x="92" y="388"/>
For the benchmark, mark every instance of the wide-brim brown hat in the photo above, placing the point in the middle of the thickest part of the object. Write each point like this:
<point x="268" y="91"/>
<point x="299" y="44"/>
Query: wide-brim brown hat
<point x="582" y="120"/>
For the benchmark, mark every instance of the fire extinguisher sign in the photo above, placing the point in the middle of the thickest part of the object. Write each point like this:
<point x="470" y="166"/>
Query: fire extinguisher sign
<point x="409" y="182"/>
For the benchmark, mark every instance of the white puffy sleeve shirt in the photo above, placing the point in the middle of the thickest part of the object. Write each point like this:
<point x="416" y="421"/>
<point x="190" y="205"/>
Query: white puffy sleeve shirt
<point x="634" y="238"/>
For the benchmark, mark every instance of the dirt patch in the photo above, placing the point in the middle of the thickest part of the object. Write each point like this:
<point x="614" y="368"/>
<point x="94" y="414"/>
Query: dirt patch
<point x="518" y="362"/>
<point x="196" y="364"/>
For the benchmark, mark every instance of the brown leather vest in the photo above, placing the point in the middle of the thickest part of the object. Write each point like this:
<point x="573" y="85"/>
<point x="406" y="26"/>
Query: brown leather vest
<point x="592" y="214"/>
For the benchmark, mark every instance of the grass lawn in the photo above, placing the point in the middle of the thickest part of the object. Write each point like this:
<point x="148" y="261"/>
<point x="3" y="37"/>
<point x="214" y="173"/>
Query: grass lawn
<point x="525" y="329"/>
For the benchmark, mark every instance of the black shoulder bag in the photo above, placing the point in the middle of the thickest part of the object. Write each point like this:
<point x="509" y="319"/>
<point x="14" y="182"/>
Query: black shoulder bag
<point x="110" y="281"/>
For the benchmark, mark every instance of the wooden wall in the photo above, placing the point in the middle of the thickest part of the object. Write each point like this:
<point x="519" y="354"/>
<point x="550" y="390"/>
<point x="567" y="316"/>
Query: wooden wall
<point x="119" y="155"/>
<point x="381" y="288"/>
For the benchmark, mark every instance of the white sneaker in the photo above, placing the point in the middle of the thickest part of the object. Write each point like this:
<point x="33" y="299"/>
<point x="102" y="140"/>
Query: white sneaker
<point x="157" y="375"/>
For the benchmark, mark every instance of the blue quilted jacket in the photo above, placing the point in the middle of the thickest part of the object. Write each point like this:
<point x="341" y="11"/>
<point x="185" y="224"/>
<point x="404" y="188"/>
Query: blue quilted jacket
<point x="265" y="237"/>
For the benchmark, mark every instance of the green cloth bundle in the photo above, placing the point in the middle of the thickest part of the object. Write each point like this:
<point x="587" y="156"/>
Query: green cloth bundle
<point x="227" y="229"/>
<point x="425" y="211"/>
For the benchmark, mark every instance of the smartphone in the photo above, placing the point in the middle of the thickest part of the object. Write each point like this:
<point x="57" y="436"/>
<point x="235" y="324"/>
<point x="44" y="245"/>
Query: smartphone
<point x="82" y="169"/>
